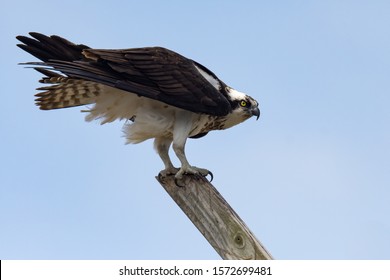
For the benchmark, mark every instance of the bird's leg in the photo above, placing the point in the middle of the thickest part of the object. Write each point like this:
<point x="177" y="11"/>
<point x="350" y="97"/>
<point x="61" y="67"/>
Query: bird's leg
<point x="181" y="132"/>
<point x="162" y="146"/>
<point x="186" y="168"/>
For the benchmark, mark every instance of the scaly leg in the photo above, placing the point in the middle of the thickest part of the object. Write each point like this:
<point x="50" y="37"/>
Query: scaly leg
<point x="181" y="132"/>
<point x="162" y="147"/>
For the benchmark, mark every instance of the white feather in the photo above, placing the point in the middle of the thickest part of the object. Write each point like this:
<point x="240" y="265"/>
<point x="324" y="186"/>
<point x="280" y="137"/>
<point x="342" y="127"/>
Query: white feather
<point x="113" y="104"/>
<point x="235" y="94"/>
<point x="154" y="119"/>
<point x="214" y="82"/>
<point x="150" y="118"/>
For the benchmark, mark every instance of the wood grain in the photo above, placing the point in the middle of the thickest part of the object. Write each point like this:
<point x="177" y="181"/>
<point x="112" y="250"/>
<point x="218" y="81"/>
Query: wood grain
<point x="215" y="219"/>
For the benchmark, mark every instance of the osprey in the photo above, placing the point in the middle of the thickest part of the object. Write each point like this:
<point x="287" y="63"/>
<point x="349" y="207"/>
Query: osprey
<point x="163" y="94"/>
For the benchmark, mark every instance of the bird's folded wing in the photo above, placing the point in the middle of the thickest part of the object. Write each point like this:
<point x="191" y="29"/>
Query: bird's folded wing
<point x="153" y="72"/>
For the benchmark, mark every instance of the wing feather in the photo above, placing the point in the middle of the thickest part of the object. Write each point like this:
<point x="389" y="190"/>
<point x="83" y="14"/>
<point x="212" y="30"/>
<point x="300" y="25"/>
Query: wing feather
<point x="152" y="72"/>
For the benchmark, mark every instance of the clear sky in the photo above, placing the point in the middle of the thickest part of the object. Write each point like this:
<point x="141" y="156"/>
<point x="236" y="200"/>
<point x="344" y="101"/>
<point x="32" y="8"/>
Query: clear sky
<point x="311" y="178"/>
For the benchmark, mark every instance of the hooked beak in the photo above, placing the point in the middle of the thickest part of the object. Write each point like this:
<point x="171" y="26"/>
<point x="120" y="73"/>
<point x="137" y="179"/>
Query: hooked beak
<point x="256" y="112"/>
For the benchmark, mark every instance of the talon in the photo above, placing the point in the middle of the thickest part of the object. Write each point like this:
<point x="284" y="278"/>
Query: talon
<point x="177" y="183"/>
<point x="211" y="176"/>
<point x="168" y="171"/>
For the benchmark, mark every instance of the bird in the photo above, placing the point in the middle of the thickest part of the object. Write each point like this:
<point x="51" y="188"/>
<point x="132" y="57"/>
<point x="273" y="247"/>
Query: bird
<point x="161" y="94"/>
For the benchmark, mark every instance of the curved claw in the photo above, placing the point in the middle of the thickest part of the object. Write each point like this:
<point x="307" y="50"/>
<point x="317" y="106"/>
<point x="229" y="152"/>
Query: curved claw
<point x="211" y="176"/>
<point x="177" y="183"/>
<point x="204" y="176"/>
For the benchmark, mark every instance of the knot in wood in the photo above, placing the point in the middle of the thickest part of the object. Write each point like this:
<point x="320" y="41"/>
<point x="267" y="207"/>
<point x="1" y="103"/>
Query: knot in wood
<point x="239" y="240"/>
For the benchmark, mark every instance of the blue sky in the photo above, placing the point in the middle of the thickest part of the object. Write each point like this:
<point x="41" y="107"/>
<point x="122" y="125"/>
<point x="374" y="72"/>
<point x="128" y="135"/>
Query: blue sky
<point x="311" y="178"/>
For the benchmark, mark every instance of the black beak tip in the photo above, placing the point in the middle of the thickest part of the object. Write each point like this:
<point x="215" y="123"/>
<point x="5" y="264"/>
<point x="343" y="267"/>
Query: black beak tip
<point x="256" y="112"/>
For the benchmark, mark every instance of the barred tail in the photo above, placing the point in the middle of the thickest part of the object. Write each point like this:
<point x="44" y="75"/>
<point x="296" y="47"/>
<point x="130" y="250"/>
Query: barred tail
<point x="65" y="92"/>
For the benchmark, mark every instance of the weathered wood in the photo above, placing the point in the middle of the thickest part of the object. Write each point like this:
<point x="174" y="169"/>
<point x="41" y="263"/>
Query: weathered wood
<point x="215" y="219"/>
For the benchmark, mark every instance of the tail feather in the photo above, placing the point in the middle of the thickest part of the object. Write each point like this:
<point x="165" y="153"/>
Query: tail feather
<point x="63" y="91"/>
<point x="66" y="92"/>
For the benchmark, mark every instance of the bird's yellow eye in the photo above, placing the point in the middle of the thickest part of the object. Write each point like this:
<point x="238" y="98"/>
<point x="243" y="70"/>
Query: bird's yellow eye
<point x="243" y="103"/>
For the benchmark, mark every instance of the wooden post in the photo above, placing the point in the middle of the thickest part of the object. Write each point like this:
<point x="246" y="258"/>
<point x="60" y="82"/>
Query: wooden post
<point x="215" y="219"/>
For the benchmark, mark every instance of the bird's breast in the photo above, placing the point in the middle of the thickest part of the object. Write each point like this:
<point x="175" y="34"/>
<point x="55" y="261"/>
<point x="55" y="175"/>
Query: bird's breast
<point x="206" y="123"/>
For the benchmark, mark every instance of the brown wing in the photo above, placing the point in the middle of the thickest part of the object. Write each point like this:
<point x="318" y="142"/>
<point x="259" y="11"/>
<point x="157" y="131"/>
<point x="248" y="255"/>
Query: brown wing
<point x="154" y="72"/>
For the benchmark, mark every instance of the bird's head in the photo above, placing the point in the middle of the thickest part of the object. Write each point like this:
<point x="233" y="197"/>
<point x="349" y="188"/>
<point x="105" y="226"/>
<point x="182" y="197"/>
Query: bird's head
<point x="243" y="107"/>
